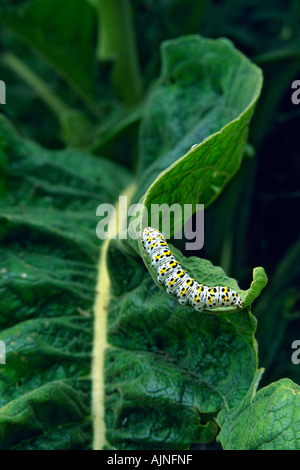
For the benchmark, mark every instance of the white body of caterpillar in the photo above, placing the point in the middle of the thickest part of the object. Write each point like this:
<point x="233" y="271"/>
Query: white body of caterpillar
<point x="178" y="283"/>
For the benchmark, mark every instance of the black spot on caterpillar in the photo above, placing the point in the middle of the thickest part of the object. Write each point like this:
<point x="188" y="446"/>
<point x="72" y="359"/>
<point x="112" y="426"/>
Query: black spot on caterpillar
<point x="178" y="283"/>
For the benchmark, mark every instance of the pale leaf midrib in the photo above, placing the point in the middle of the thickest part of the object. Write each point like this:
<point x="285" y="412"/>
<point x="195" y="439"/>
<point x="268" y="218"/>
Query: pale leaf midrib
<point x="100" y="312"/>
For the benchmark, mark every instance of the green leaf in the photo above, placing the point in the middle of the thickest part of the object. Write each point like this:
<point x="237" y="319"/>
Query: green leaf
<point x="175" y="369"/>
<point x="211" y="275"/>
<point x="28" y="424"/>
<point x="205" y="98"/>
<point x="48" y="269"/>
<point x="264" y="420"/>
<point x="169" y="369"/>
<point x="160" y="373"/>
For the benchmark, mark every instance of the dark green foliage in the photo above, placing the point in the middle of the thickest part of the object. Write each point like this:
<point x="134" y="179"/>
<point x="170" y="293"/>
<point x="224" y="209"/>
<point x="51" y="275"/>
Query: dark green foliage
<point x="80" y="126"/>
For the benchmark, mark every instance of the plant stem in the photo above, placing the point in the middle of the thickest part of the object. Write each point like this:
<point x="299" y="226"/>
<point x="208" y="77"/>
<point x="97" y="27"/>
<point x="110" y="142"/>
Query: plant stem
<point x="75" y="127"/>
<point x="117" y="42"/>
<point x="43" y="90"/>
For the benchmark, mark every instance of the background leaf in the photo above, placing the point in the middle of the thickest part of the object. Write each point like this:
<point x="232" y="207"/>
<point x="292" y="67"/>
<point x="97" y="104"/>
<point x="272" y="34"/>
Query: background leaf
<point x="64" y="34"/>
<point x="266" y="420"/>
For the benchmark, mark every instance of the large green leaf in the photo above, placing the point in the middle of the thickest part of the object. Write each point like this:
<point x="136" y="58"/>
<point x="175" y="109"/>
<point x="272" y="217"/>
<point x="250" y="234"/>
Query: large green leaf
<point x="164" y="356"/>
<point x="266" y="420"/>
<point x="96" y="352"/>
<point x="49" y="252"/>
<point x="169" y="369"/>
<point x="205" y="99"/>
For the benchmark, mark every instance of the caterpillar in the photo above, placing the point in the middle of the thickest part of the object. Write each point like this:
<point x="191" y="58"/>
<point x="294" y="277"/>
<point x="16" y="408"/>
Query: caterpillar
<point x="176" y="280"/>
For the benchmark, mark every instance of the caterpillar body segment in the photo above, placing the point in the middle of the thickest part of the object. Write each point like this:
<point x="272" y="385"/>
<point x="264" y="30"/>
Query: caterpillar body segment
<point x="177" y="281"/>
